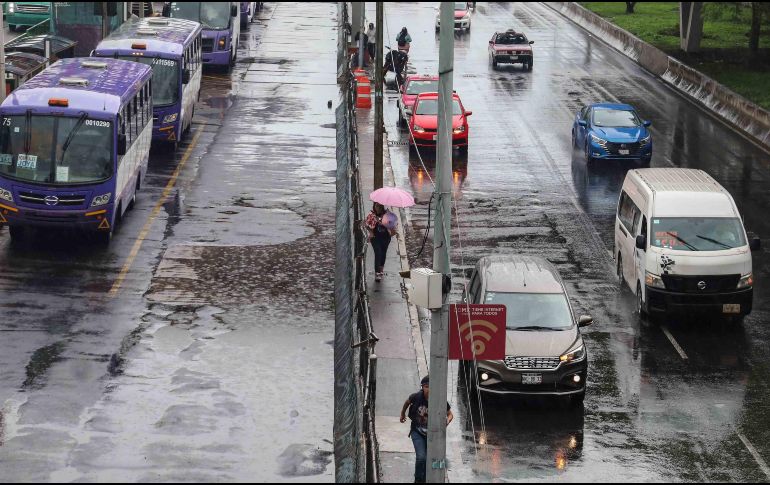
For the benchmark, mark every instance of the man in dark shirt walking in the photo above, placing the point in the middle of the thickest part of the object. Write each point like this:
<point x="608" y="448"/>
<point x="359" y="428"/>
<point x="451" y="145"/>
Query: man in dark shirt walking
<point x="417" y="405"/>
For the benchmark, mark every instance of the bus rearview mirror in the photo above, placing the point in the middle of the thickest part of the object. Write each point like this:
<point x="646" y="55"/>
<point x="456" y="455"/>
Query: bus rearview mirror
<point x="185" y="76"/>
<point x="122" y="144"/>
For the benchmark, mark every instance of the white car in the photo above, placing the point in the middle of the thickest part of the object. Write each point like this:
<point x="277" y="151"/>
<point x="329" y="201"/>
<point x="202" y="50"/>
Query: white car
<point x="462" y="17"/>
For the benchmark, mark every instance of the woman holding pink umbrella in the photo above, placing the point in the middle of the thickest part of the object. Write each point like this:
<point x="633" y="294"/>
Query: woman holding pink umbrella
<point x="381" y="223"/>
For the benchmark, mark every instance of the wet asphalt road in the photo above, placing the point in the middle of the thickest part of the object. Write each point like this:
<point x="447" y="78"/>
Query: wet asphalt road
<point x="650" y="413"/>
<point x="194" y="361"/>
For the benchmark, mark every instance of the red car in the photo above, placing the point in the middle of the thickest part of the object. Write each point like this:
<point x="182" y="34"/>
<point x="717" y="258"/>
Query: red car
<point x="424" y="121"/>
<point x="462" y="17"/>
<point x="511" y="47"/>
<point x="414" y="85"/>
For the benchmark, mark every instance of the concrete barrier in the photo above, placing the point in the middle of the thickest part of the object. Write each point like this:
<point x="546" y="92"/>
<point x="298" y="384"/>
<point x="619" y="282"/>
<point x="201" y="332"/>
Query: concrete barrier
<point x="727" y="105"/>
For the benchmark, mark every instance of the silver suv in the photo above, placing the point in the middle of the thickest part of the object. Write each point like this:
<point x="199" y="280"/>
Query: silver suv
<point x="544" y="351"/>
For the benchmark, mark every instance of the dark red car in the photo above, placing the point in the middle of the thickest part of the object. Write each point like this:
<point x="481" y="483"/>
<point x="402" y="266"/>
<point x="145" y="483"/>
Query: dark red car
<point x="511" y="47"/>
<point x="414" y="85"/>
<point x="423" y="124"/>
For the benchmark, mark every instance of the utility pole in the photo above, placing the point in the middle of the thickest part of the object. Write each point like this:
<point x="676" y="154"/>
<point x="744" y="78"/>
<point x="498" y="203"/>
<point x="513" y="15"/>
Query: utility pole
<point x="439" y="325"/>
<point x="378" y="95"/>
<point x="2" y="58"/>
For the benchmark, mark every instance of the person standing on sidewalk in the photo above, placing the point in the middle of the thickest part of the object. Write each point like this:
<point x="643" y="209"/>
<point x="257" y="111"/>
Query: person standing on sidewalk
<point x="417" y="405"/>
<point x="371" y="32"/>
<point x="381" y="224"/>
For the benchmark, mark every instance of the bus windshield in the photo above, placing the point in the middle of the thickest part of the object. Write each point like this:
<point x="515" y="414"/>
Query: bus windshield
<point x="56" y="150"/>
<point x="165" y="79"/>
<point x="212" y="15"/>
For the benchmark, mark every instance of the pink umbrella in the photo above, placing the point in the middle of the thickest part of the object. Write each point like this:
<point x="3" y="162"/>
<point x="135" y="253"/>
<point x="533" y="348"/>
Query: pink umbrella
<point x="392" y="196"/>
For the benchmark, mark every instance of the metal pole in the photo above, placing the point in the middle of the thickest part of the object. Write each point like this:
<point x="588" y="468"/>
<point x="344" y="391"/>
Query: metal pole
<point x="2" y="58"/>
<point x="378" y="95"/>
<point x="362" y="30"/>
<point x="439" y="331"/>
<point x="105" y="22"/>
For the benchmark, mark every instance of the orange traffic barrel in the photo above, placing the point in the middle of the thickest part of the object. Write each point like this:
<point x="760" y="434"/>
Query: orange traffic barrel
<point x="363" y="89"/>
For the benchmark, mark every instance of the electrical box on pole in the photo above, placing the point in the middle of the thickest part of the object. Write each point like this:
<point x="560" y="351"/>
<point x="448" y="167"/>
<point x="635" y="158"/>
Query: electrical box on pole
<point x="439" y="331"/>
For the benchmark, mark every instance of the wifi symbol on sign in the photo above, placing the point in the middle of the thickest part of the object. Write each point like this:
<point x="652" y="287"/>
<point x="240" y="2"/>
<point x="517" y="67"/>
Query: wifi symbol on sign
<point x="477" y="336"/>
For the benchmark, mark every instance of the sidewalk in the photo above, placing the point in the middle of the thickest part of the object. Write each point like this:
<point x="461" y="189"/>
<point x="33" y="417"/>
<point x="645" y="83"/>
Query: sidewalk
<point x="400" y="352"/>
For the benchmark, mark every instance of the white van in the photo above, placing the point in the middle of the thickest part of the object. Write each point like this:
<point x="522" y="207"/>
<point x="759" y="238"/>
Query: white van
<point x="680" y="244"/>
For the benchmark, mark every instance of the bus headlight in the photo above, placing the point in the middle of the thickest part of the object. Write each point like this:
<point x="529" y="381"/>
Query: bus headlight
<point x="575" y="355"/>
<point x="222" y="43"/>
<point x="654" y="281"/>
<point x="170" y="118"/>
<point x="746" y="281"/>
<point x="101" y="200"/>
<point x="6" y="195"/>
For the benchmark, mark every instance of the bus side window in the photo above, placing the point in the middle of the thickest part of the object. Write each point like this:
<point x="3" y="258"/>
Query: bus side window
<point x="143" y="117"/>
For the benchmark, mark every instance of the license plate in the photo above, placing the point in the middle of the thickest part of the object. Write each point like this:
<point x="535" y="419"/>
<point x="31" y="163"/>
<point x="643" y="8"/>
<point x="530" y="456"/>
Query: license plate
<point x="531" y="378"/>
<point x="513" y="58"/>
<point x="731" y="308"/>
<point x="624" y="152"/>
<point x="435" y="137"/>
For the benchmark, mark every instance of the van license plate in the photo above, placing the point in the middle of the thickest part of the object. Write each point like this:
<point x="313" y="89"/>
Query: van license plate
<point x="731" y="308"/>
<point x="531" y="378"/>
<point x="624" y="152"/>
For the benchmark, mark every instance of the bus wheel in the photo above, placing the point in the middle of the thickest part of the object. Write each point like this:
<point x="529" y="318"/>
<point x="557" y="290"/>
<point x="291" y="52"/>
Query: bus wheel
<point x="17" y="233"/>
<point x="103" y="238"/>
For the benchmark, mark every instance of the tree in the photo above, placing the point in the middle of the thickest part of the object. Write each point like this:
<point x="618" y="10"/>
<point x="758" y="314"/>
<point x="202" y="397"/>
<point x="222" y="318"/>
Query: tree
<point x="756" y="23"/>
<point x="630" y="7"/>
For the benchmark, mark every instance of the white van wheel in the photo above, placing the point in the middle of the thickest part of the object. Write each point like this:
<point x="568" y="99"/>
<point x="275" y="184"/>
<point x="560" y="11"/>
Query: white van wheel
<point x="640" y="302"/>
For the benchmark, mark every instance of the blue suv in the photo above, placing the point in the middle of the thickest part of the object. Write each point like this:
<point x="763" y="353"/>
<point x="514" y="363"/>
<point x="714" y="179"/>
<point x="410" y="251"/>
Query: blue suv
<point x="607" y="131"/>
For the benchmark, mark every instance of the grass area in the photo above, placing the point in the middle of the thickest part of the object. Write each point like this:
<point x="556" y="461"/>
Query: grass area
<point x="724" y="48"/>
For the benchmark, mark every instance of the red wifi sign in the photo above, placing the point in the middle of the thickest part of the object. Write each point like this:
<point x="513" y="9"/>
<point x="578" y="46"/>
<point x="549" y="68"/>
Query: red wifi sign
<point x="476" y="332"/>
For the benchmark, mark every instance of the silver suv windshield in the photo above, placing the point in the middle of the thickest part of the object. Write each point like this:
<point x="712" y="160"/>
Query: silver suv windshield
<point x="697" y="233"/>
<point x="533" y="311"/>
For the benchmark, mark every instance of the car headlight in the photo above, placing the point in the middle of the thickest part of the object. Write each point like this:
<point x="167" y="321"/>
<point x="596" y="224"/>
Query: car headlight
<point x="467" y="16"/>
<point x="746" y="281"/>
<point x="645" y="140"/>
<point x="6" y="195"/>
<point x="101" y="200"/>
<point x="170" y="118"/>
<point x="459" y="130"/>
<point x="418" y="129"/>
<point x="654" y="281"/>
<point x="574" y="355"/>
<point x="596" y="139"/>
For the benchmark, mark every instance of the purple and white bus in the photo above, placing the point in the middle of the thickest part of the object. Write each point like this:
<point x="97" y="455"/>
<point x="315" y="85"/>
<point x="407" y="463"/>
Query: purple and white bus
<point x="74" y="145"/>
<point x="221" y="28"/>
<point x="173" y="48"/>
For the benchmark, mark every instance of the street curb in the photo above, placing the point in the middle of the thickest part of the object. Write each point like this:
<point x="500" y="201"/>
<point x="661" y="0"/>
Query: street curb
<point x="729" y="107"/>
<point x="414" y="319"/>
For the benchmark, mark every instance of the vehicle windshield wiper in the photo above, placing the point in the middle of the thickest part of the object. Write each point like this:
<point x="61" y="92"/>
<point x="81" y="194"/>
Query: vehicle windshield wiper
<point x="726" y="246"/>
<point x="533" y="327"/>
<point x="71" y="135"/>
<point x="690" y="246"/>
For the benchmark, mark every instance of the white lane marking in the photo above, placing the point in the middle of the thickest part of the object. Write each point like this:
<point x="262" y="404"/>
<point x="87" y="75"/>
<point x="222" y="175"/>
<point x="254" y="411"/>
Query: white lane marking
<point x="674" y="342"/>
<point x="754" y="453"/>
